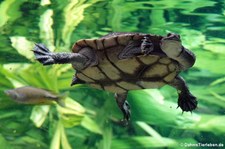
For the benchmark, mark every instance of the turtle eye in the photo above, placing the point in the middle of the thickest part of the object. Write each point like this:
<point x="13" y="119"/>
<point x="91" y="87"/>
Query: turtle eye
<point x="169" y="34"/>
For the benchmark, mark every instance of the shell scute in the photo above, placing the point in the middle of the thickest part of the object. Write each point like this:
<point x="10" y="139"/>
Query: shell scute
<point x="91" y="43"/>
<point x="156" y="70"/>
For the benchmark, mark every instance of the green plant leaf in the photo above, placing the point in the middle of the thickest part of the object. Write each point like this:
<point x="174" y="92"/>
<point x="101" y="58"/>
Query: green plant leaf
<point x="151" y="132"/>
<point x="64" y="141"/>
<point x="142" y="142"/>
<point x="4" y="144"/>
<point x="46" y="31"/>
<point x="91" y="125"/>
<point x="55" y="143"/>
<point x="39" y="114"/>
<point x="23" y="46"/>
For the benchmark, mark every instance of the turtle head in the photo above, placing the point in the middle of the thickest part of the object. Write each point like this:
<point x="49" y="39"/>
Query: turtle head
<point x="171" y="42"/>
<point x="172" y="36"/>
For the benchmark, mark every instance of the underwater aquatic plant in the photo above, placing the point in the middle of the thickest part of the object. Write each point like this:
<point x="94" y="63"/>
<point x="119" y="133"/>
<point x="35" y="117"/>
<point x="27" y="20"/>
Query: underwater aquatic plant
<point x="87" y="121"/>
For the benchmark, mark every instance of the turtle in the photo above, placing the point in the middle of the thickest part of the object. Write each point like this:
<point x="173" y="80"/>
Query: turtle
<point x="121" y="61"/>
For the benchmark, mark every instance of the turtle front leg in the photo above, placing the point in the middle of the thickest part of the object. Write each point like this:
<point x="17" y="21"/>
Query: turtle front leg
<point x="146" y="46"/>
<point x="186" y="101"/>
<point x="133" y="48"/>
<point x="124" y="106"/>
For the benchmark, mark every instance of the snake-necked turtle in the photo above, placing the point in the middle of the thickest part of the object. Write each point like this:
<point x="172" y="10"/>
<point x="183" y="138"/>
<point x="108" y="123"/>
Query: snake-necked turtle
<point x="119" y="62"/>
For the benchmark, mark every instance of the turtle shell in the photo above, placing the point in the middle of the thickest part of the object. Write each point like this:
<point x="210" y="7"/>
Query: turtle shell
<point x="120" y="75"/>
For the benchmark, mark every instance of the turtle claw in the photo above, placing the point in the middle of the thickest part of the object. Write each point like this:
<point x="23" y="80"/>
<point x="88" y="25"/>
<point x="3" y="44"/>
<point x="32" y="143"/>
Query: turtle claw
<point x="49" y="61"/>
<point x="187" y="102"/>
<point x="42" y="47"/>
<point x="38" y="57"/>
<point x="124" y="107"/>
<point x="146" y="46"/>
<point x="126" y="114"/>
<point x="43" y="55"/>
<point x="39" y="52"/>
<point x="126" y="111"/>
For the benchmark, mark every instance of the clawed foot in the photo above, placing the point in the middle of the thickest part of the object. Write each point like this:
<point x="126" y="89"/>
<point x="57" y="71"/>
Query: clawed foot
<point x="126" y="114"/>
<point x="146" y="46"/>
<point x="124" y="107"/>
<point x="43" y="55"/>
<point x="187" y="102"/>
<point x="126" y="111"/>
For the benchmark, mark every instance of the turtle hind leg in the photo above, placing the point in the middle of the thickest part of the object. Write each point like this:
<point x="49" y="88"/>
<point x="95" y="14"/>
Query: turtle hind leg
<point x="186" y="101"/>
<point x="43" y="54"/>
<point x="124" y="106"/>
<point x="46" y="57"/>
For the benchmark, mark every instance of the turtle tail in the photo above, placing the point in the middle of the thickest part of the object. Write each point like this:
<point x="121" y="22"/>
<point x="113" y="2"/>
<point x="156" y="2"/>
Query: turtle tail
<point x="76" y="81"/>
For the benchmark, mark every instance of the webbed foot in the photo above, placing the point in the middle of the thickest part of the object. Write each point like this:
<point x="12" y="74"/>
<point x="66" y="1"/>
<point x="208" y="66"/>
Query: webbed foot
<point x="43" y="55"/>
<point x="187" y="102"/>
<point x="124" y="107"/>
<point x="146" y="46"/>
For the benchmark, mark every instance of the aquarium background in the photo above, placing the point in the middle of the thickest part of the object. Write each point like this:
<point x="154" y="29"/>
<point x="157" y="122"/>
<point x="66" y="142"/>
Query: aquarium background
<point x="91" y="119"/>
